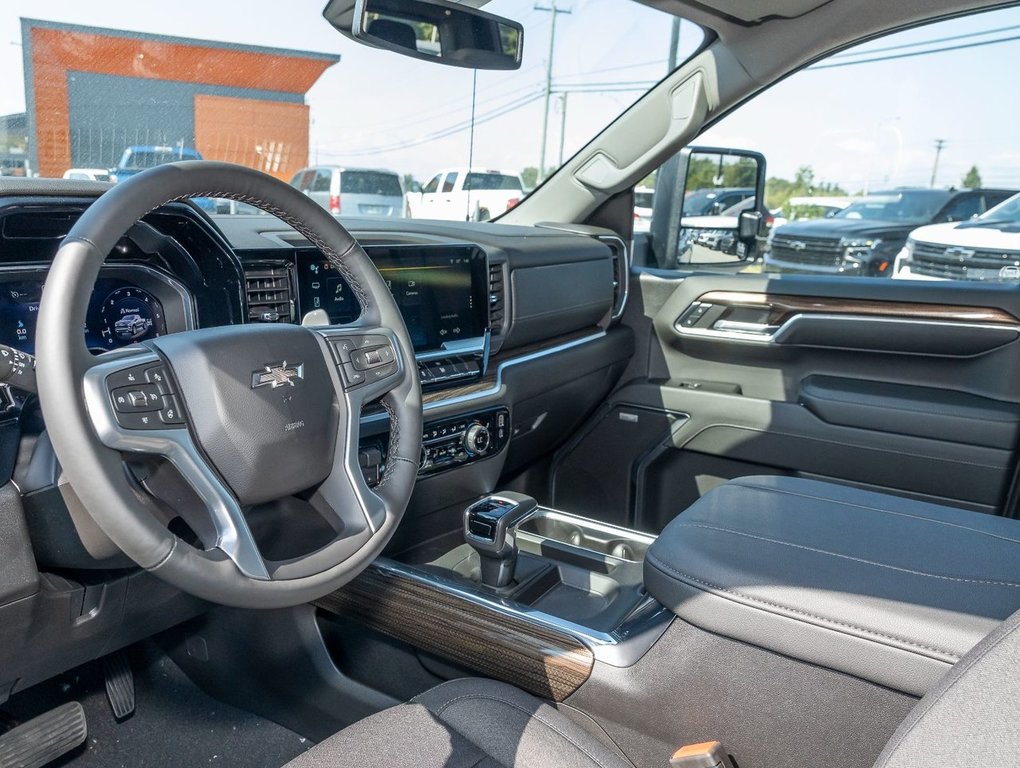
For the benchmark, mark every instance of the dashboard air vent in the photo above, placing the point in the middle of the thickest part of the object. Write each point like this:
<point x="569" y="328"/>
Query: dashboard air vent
<point x="270" y="296"/>
<point x="621" y="274"/>
<point x="497" y="298"/>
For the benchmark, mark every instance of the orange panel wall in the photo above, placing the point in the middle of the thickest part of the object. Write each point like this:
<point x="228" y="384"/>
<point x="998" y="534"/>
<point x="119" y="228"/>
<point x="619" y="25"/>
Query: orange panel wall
<point x="55" y="52"/>
<point x="271" y="136"/>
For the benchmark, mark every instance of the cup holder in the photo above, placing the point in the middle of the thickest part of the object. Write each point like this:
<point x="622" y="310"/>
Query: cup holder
<point x="618" y="543"/>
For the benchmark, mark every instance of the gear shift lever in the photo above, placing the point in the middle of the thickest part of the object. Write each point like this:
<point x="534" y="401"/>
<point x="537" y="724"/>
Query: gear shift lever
<point x="489" y="529"/>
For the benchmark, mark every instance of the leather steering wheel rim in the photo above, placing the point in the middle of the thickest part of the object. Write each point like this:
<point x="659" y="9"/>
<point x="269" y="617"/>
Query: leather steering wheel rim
<point x="97" y="472"/>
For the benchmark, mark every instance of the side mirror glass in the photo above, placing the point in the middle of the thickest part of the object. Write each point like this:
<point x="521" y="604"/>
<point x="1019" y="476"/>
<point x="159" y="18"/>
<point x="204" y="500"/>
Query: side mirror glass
<point x="435" y="30"/>
<point x="722" y="205"/>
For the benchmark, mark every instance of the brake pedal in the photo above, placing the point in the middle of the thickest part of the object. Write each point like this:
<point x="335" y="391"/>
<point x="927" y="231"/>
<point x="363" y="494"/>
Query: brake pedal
<point x="120" y="684"/>
<point x="44" y="738"/>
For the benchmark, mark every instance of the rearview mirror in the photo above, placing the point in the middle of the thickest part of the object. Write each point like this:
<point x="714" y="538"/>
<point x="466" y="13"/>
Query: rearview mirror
<point x="434" y="30"/>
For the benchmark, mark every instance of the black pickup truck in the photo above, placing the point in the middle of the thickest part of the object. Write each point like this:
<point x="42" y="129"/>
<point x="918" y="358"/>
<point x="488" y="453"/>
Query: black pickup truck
<point x="864" y="238"/>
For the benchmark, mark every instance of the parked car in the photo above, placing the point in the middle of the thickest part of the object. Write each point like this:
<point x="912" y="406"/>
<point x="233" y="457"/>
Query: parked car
<point x="460" y="194"/>
<point x="712" y="202"/>
<point x="986" y="248"/>
<point x="864" y="238"/>
<point x="716" y="232"/>
<point x="87" y="174"/>
<point x="136" y="159"/>
<point x="644" y="198"/>
<point x="353" y="191"/>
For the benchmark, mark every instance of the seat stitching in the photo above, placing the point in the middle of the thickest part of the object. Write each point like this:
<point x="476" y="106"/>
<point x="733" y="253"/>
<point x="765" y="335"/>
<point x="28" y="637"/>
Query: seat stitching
<point x="686" y="577"/>
<point x="855" y="505"/>
<point x="963" y="579"/>
<point x="518" y="707"/>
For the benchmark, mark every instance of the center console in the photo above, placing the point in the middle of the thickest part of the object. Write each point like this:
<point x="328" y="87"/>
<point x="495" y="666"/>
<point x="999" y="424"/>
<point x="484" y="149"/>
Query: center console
<point x="532" y="596"/>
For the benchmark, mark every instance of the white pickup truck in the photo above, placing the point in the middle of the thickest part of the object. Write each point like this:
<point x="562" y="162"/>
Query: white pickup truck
<point x="462" y="194"/>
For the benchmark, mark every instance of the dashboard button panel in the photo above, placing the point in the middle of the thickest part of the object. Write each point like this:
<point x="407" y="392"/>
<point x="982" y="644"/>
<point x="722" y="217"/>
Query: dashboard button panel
<point x="455" y="442"/>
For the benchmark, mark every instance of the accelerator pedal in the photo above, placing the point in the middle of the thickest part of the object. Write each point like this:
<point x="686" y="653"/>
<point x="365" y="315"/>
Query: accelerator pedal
<point x="44" y="738"/>
<point x="120" y="684"/>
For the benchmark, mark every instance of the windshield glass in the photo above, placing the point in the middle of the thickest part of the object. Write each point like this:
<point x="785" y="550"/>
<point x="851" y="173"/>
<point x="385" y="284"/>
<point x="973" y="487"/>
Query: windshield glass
<point x="491" y="180"/>
<point x="1007" y="211"/>
<point x="370" y="183"/>
<point x="911" y="207"/>
<point x="106" y="84"/>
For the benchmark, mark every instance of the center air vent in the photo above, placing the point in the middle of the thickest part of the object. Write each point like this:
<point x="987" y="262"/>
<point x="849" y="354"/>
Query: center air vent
<point x="497" y="298"/>
<point x="269" y="292"/>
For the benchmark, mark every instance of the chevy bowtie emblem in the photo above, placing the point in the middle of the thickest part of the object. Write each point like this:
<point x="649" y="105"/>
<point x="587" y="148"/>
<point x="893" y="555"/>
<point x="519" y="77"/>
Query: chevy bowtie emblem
<point x="277" y="375"/>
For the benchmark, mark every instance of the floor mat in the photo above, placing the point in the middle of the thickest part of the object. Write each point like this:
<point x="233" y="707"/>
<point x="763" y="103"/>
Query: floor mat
<point x="174" y="724"/>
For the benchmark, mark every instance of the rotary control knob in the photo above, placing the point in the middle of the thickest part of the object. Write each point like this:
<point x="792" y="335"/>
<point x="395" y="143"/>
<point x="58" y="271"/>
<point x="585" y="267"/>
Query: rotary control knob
<point x="477" y="439"/>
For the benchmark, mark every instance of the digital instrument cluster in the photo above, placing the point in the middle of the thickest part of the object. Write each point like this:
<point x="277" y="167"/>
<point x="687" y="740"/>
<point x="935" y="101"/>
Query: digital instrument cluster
<point x="121" y="312"/>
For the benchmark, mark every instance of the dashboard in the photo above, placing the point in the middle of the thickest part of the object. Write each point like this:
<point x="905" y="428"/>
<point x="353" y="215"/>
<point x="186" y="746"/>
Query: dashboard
<point x="514" y="336"/>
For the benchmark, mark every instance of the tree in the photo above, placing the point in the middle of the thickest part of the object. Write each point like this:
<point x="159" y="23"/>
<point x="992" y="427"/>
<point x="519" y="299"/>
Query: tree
<point x="409" y="182"/>
<point x="972" y="179"/>
<point x="529" y="176"/>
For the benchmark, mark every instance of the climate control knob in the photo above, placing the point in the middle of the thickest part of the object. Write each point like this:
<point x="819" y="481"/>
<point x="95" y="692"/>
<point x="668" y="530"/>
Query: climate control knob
<point x="477" y="439"/>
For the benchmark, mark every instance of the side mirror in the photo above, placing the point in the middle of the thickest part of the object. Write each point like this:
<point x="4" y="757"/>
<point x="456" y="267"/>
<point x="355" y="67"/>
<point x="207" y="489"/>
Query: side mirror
<point x="435" y="30"/>
<point x="690" y="222"/>
<point x="749" y="225"/>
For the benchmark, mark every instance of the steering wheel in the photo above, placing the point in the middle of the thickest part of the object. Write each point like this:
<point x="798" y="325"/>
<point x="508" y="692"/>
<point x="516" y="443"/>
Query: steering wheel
<point x="247" y="414"/>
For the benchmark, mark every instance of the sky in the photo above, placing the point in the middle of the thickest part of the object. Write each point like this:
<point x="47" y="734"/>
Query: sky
<point x="376" y="100"/>
<point x="862" y="125"/>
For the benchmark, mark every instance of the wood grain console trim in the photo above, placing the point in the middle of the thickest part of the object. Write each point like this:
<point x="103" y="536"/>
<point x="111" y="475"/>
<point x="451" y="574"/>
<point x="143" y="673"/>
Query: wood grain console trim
<point x="540" y="660"/>
<point x="783" y="307"/>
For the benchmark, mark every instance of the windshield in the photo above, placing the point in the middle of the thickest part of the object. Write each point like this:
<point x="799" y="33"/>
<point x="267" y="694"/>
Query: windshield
<point x="1007" y="211"/>
<point x="491" y="180"/>
<point x="917" y="207"/>
<point x="150" y="158"/>
<point x="108" y="85"/>
<point x="370" y="183"/>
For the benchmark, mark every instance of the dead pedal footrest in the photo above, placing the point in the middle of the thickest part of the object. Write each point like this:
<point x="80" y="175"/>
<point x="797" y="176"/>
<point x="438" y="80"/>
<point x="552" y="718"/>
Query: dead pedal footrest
<point x="44" y="738"/>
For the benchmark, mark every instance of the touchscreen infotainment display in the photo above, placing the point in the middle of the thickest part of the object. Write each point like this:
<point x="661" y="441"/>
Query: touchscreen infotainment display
<point x="441" y="290"/>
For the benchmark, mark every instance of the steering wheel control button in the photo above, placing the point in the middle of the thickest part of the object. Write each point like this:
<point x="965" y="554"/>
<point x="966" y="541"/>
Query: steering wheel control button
<point x="170" y="414"/>
<point x="137" y="399"/>
<point x="380" y="372"/>
<point x="129" y="377"/>
<point x="351" y="376"/>
<point x="148" y="420"/>
<point x="158" y="377"/>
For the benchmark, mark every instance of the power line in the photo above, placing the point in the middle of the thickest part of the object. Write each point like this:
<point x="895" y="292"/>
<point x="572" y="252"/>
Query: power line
<point x="924" y="42"/>
<point x="978" y="44"/>
<point x="442" y="134"/>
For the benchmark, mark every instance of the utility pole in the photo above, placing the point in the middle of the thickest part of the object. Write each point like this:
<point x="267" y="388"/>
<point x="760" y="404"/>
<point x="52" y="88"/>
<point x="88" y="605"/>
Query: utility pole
<point x="939" y="144"/>
<point x="563" y="122"/>
<point x="551" y="8"/>
<point x="674" y="43"/>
